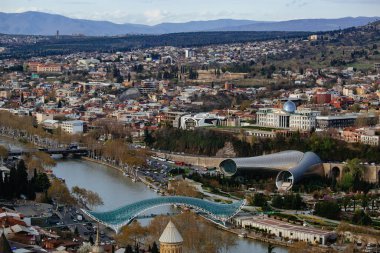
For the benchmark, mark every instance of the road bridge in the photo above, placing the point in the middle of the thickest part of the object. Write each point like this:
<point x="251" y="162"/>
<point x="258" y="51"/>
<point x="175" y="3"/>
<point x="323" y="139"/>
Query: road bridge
<point x="52" y="151"/>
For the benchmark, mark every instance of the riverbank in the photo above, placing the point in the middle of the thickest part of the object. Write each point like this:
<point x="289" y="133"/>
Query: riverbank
<point x="142" y="179"/>
<point x="117" y="190"/>
<point x="250" y="236"/>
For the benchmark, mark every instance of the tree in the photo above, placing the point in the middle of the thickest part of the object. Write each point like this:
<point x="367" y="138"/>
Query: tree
<point x="154" y="248"/>
<point x="128" y="249"/>
<point x="148" y="138"/>
<point x="259" y="199"/>
<point x="86" y="197"/>
<point x="327" y="209"/>
<point x="3" y="153"/>
<point x="356" y="168"/>
<point x="76" y="231"/>
<point x="132" y="233"/>
<point x="91" y="240"/>
<point x="354" y="172"/>
<point x="183" y="188"/>
<point x="345" y="202"/>
<point x="41" y="182"/>
<point x="271" y="247"/>
<point x="365" y="201"/>
<point x="85" y="248"/>
<point x="347" y="182"/>
<point x="59" y="192"/>
<point x="361" y="218"/>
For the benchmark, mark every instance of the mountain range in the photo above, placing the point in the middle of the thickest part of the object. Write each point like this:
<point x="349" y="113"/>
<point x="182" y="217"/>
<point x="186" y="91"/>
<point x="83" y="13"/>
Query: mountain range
<point x="39" y="23"/>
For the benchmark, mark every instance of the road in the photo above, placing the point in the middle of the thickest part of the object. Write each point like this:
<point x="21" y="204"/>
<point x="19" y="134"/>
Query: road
<point x="68" y="217"/>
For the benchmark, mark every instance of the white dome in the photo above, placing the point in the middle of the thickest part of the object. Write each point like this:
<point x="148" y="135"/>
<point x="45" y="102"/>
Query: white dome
<point x="289" y="107"/>
<point x="171" y="234"/>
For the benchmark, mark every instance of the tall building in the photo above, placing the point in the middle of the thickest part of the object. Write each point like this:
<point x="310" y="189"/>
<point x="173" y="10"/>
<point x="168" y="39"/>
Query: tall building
<point x="189" y="53"/>
<point x="97" y="248"/>
<point x="171" y="240"/>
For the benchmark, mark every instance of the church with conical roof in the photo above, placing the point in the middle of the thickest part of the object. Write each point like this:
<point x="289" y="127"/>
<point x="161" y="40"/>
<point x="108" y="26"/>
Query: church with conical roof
<point x="171" y="240"/>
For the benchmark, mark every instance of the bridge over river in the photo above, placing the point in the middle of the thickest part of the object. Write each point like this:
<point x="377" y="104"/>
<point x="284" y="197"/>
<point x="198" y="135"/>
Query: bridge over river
<point x="51" y="151"/>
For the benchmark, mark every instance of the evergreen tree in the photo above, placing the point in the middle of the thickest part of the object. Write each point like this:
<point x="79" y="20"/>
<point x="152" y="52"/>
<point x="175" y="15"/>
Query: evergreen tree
<point x="76" y="231"/>
<point x="91" y="240"/>
<point x="154" y="248"/>
<point x="1" y="185"/>
<point x="137" y="248"/>
<point x="22" y="178"/>
<point x="128" y="249"/>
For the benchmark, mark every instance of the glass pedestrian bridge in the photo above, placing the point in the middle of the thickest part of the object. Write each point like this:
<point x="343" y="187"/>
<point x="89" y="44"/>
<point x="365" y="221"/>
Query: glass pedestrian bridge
<point x="122" y="216"/>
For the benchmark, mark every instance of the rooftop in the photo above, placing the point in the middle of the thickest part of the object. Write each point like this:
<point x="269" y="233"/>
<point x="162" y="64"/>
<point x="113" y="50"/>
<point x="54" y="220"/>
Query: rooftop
<point x="171" y="234"/>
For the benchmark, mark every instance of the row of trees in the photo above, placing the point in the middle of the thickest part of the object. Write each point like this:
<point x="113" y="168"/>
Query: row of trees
<point x="200" y="141"/>
<point x="60" y="193"/>
<point x="332" y="210"/>
<point x="288" y="201"/>
<point x="327" y="209"/>
<point x="122" y="155"/>
<point x="208" y="142"/>
<point x="70" y="45"/>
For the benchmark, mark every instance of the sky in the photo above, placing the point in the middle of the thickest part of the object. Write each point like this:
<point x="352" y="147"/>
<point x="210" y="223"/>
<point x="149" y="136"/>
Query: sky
<point x="157" y="11"/>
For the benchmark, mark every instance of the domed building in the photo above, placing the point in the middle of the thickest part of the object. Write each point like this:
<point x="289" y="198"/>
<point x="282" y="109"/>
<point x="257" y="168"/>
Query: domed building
<point x="288" y="117"/>
<point x="171" y="240"/>
<point x="289" y="107"/>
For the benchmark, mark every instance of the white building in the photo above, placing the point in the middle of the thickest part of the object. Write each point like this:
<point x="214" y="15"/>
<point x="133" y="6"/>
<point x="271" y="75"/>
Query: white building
<point x="41" y="117"/>
<point x="373" y="140"/>
<point x="72" y="127"/>
<point x="288" y="117"/>
<point x="191" y="121"/>
<point x="189" y="53"/>
<point x="287" y="230"/>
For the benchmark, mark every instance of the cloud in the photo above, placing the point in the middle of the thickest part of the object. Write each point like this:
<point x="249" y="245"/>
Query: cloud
<point x="297" y="3"/>
<point x="155" y="16"/>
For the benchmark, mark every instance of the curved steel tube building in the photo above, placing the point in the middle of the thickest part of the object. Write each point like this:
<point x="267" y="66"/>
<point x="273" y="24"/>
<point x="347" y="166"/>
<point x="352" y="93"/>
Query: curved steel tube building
<point x="291" y="164"/>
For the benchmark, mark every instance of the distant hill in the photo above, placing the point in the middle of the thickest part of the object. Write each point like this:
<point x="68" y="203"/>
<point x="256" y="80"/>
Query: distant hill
<point x="38" y="23"/>
<point x="311" y="25"/>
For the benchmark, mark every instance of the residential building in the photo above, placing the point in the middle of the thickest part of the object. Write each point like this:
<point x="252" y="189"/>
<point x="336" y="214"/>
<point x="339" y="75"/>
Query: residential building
<point x="72" y="127"/>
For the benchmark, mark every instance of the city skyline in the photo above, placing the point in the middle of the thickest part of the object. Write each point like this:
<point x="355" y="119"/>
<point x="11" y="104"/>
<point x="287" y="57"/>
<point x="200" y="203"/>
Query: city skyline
<point x="153" y="12"/>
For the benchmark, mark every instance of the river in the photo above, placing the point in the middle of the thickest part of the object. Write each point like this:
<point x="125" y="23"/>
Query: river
<point x="117" y="190"/>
